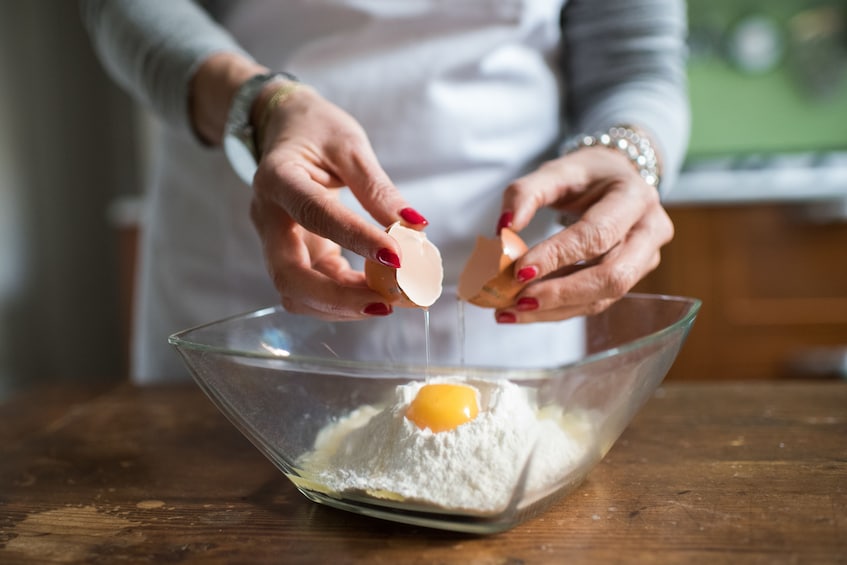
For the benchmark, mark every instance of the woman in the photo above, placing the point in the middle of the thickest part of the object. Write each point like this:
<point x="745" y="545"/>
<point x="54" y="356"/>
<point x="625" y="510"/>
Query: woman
<point x="449" y="115"/>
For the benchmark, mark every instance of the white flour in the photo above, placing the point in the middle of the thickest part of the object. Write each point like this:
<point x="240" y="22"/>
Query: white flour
<point x="473" y="467"/>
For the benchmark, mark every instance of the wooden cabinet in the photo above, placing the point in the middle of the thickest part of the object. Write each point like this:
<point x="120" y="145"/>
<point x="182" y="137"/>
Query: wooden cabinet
<point x="774" y="289"/>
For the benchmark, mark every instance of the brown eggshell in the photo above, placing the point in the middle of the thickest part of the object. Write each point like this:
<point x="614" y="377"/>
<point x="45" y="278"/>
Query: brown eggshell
<point x="488" y="279"/>
<point x="418" y="282"/>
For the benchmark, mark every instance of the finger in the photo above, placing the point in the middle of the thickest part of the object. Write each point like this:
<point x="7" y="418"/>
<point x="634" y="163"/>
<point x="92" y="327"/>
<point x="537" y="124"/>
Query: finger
<point x="611" y="277"/>
<point x="570" y="182"/>
<point x="595" y="286"/>
<point x="290" y="186"/>
<point x="513" y="316"/>
<point x="602" y="227"/>
<point x="367" y="180"/>
<point x="584" y="292"/>
<point x="376" y="309"/>
<point x="325" y="311"/>
<point x="307" y="291"/>
<point x="335" y="149"/>
<point x="307" y="286"/>
<point x="551" y="182"/>
<point x="337" y="268"/>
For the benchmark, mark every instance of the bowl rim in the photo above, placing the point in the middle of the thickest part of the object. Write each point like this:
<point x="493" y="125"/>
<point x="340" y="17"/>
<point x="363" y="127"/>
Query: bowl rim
<point x="323" y="364"/>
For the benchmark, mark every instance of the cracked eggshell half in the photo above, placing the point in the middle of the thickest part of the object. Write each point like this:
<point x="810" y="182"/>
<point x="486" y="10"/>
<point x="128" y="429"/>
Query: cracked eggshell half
<point x="488" y="279"/>
<point x="418" y="282"/>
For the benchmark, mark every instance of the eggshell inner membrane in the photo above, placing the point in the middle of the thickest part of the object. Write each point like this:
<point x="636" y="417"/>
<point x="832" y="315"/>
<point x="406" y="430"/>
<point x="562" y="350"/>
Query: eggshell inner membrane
<point x="483" y="265"/>
<point x="513" y="245"/>
<point x="421" y="274"/>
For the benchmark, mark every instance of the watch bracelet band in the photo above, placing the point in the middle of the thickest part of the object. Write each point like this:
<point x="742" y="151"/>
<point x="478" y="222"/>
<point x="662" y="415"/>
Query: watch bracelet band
<point x="635" y="146"/>
<point x="238" y="128"/>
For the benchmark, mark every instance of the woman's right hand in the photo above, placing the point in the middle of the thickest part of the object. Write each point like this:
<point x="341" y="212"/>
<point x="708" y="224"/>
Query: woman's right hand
<point x="310" y="150"/>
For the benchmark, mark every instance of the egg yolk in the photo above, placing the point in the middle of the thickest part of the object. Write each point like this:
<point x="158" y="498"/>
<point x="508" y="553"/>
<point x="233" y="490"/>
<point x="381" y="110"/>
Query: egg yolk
<point x="443" y="407"/>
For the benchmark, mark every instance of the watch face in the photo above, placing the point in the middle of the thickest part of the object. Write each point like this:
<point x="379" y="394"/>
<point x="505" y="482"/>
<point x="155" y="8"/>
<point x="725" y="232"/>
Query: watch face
<point x="239" y="152"/>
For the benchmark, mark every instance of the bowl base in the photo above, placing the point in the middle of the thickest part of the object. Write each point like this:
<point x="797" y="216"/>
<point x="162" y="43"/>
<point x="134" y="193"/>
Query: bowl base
<point x="421" y="515"/>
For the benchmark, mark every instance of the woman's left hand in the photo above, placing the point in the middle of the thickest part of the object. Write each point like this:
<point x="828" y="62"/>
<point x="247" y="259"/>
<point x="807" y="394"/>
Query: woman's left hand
<point x="614" y="242"/>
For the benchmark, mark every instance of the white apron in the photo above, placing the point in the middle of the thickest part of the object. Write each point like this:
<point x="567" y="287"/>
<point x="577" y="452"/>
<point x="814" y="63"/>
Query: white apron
<point x="458" y="97"/>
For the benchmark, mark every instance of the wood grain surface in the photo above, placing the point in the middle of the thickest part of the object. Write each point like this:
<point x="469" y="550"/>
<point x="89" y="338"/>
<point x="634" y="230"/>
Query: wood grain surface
<point x="707" y="473"/>
<point x="773" y="286"/>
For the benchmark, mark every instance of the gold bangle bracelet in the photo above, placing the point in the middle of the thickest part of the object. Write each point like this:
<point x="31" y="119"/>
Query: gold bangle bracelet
<point x="275" y="100"/>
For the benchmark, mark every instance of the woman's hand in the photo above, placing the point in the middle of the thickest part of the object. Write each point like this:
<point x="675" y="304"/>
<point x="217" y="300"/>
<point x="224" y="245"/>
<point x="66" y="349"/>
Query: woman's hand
<point x="619" y="227"/>
<point x="310" y="149"/>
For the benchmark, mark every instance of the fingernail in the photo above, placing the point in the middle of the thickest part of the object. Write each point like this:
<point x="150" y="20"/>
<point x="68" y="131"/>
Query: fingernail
<point x="506" y="318"/>
<point x="527" y="303"/>
<point x="388" y="258"/>
<point x="527" y="273"/>
<point x="378" y="309"/>
<point x="413" y="217"/>
<point x="505" y="221"/>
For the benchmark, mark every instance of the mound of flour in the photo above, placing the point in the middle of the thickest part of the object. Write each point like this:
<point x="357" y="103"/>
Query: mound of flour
<point x="473" y="467"/>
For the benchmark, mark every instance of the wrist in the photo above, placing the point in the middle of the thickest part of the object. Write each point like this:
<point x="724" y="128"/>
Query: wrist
<point x="239" y="136"/>
<point x="263" y="98"/>
<point x="272" y="95"/>
<point x="630" y="142"/>
<point x="212" y="90"/>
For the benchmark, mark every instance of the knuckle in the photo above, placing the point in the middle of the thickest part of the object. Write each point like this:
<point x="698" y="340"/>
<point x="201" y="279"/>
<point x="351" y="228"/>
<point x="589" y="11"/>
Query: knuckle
<point x="379" y="189"/>
<point x="349" y="144"/>
<point x="667" y="228"/>
<point x="619" y="279"/>
<point x="599" y="237"/>
<point x="269" y="174"/>
<point x="290" y="305"/>
<point x="516" y="190"/>
<point x="523" y="188"/>
<point x="555" y="169"/>
<point x="593" y="308"/>
<point x="655" y="261"/>
<point x="597" y="307"/>
<point x="280" y="282"/>
<point x="310" y="211"/>
<point x="559" y="253"/>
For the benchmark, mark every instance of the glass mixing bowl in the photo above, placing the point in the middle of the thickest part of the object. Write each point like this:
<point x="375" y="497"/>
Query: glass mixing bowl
<point x="286" y="381"/>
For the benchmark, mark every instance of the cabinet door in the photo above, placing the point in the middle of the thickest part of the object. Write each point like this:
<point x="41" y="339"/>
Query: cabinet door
<point x="774" y="291"/>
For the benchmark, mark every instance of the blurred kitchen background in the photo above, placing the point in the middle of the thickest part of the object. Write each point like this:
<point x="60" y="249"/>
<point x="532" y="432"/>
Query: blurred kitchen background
<point x="760" y="213"/>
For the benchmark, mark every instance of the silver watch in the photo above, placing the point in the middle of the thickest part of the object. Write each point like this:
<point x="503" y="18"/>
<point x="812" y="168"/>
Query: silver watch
<point x="239" y="142"/>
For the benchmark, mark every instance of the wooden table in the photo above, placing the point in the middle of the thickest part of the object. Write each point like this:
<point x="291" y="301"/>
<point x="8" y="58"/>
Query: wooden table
<point x="707" y="473"/>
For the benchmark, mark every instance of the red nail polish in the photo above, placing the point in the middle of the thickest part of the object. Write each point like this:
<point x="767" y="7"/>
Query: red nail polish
<point x="413" y="217"/>
<point x="378" y="309"/>
<point x="527" y="303"/>
<point x="506" y="318"/>
<point x="505" y="221"/>
<point x="388" y="258"/>
<point x="527" y="273"/>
